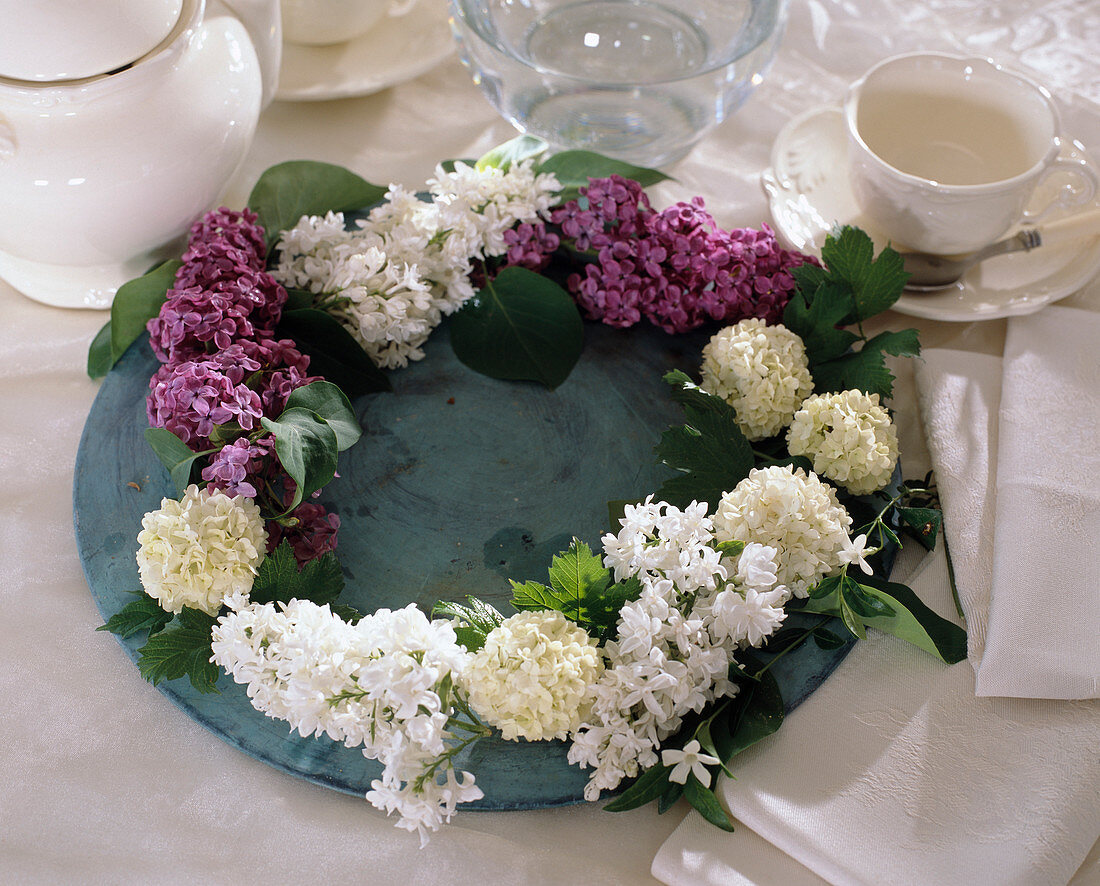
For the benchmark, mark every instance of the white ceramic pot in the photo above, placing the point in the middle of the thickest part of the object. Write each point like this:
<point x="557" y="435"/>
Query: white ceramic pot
<point x="120" y="124"/>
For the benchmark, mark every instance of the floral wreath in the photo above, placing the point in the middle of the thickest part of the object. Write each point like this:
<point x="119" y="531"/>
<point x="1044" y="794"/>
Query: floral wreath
<point x="648" y="659"/>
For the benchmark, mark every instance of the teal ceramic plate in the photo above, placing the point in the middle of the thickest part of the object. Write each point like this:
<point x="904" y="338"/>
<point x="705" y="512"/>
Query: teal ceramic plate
<point x="459" y="483"/>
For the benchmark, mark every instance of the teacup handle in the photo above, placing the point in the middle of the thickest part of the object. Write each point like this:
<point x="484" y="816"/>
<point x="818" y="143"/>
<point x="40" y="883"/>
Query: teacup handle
<point x="1074" y="194"/>
<point x="401" y="7"/>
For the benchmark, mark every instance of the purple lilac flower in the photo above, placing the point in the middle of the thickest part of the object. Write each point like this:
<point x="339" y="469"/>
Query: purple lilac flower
<point x="191" y="398"/>
<point x="530" y="246"/>
<point x="237" y="229"/>
<point x="284" y="369"/>
<point x="313" y="537"/>
<point x="222" y="268"/>
<point x="615" y="203"/>
<point x="193" y="318"/>
<point x="241" y="467"/>
<point x="676" y="267"/>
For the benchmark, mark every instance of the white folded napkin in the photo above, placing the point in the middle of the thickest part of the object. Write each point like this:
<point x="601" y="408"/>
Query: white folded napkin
<point x="893" y="771"/>
<point x="1043" y="638"/>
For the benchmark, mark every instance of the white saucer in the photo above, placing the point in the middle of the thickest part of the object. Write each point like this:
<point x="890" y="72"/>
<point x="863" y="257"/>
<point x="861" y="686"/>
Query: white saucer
<point x="76" y="286"/>
<point x="809" y="194"/>
<point x="393" y="51"/>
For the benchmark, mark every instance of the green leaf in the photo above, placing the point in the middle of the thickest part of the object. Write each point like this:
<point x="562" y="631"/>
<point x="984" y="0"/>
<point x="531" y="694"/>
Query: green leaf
<point x="827" y="639"/>
<point x="100" y="359"/>
<point x="731" y="548"/>
<point x="914" y="622"/>
<point x="181" y="651"/>
<point x="852" y="621"/>
<point x="865" y="605"/>
<point x="668" y="799"/>
<point x="287" y="191"/>
<point x="333" y="352"/>
<point x="516" y="150"/>
<point x="707" y="804"/>
<point x="863" y="370"/>
<point x="581" y="590"/>
<point x="815" y="318"/>
<point x="326" y="400"/>
<point x="175" y="455"/>
<point x="710" y="450"/>
<point x="135" y="304"/>
<point x="298" y="300"/>
<point x="924" y="524"/>
<point x="575" y="168"/>
<point x="650" y="785"/>
<point x="827" y="587"/>
<point x="479" y="620"/>
<point x="534" y="596"/>
<point x="578" y="575"/>
<point x="280" y="580"/>
<point x="519" y="326"/>
<point x="348" y="613"/>
<point x="142" y="614"/>
<point x="758" y="715"/>
<point x="876" y="282"/>
<point x="306" y="447"/>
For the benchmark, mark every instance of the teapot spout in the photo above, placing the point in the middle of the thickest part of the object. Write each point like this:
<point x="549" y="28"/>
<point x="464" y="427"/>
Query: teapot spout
<point x="262" y="20"/>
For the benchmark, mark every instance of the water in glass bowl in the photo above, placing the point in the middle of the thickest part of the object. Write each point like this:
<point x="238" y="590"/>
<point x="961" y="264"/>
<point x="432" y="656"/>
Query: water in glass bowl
<point x="634" y="79"/>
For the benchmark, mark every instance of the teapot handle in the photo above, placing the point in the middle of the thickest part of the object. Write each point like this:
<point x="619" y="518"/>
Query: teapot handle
<point x="262" y="21"/>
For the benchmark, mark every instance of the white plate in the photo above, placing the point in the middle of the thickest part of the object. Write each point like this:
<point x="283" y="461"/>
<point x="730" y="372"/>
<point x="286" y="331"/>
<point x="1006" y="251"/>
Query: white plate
<point x="809" y="193"/>
<point x="393" y="51"/>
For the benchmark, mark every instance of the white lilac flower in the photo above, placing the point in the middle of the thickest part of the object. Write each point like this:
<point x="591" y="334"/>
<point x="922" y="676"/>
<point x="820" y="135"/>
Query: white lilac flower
<point x="849" y="437"/>
<point x="201" y="550"/>
<point x="672" y="651"/>
<point x="496" y="200"/>
<point x="748" y="617"/>
<point x="761" y="371"/>
<point x="794" y="512"/>
<point x="393" y="278"/>
<point x="533" y="677"/>
<point x="375" y="684"/>
<point x="689" y="760"/>
<point x="659" y="541"/>
<point x="853" y="554"/>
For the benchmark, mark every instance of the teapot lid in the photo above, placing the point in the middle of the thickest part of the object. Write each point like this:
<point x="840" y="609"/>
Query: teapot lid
<point x="50" y="40"/>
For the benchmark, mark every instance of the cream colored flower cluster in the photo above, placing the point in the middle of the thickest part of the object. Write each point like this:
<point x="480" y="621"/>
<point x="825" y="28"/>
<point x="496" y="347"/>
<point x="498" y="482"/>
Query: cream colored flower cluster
<point x="849" y="437"/>
<point x="533" y="677"/>
<point x="796" y="513"/>
<point x="200" y="551"/>
<point x="761" y="371"/>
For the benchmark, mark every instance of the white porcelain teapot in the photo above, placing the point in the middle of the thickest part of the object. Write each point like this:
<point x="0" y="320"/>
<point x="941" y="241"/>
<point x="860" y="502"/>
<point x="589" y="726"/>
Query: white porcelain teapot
<point x="121" y="121"/>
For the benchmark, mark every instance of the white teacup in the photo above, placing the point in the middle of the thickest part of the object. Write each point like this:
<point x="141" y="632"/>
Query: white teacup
<point x="322" y="22"/>
<point x="945" y="152"/>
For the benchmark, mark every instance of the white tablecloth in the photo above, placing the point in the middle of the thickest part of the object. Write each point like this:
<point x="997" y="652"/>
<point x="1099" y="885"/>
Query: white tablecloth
<point x="103" y="780"/>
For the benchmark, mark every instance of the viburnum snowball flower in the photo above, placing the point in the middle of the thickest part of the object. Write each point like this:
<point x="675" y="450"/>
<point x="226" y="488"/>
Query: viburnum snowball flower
<point x="849" y="437"/>
<point x="792" y="511"/>
<point x="200" y="550"/>
<point x="533" y="677"/>
<point x="761" y="371"/>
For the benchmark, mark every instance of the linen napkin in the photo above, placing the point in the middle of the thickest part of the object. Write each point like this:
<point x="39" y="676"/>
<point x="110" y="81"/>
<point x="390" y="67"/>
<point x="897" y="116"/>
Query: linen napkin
<point x="1043" y="638"/>
<point x="893" y="771"/>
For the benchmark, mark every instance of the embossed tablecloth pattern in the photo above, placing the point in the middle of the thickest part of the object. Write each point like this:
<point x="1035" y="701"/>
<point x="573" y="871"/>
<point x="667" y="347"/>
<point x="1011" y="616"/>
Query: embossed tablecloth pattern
<point x="103" y="781"/>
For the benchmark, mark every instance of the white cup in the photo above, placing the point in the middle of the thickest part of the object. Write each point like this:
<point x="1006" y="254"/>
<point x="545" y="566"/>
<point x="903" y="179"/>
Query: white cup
<point x="322" y="22"/>
<point x="945" y="152"/>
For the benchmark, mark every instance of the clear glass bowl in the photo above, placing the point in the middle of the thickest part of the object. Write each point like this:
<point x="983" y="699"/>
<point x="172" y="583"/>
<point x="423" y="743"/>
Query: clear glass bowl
<point x="639" y="80"/>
